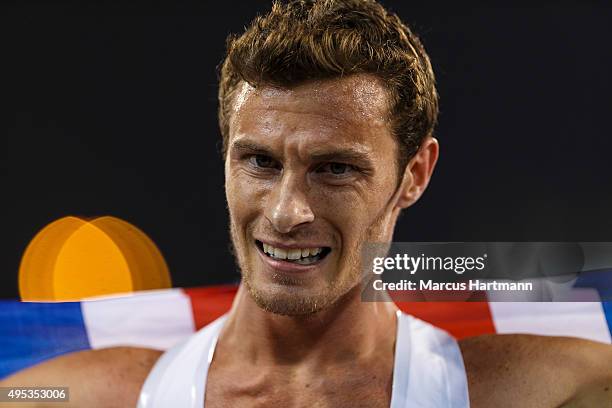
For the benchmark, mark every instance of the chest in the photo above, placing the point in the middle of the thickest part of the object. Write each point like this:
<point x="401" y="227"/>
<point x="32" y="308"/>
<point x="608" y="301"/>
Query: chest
<point x="335" y="387"/>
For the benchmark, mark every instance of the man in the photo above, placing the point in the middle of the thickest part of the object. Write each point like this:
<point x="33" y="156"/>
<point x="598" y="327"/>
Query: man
<point x="327" y="110"/>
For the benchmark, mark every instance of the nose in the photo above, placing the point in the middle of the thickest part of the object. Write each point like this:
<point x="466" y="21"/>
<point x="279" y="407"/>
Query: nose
<point x="288" y="206"/>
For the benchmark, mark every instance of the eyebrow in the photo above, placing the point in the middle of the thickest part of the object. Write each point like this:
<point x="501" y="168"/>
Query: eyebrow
<point x="354" y="154"/>
<point x="250" y="147"/>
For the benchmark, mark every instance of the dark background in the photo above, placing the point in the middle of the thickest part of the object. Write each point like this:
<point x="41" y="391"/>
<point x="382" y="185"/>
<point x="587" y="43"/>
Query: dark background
<point x="110" y="109"/>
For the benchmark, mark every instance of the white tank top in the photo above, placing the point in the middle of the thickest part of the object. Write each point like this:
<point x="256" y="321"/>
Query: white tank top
<point x="428" y="369"/>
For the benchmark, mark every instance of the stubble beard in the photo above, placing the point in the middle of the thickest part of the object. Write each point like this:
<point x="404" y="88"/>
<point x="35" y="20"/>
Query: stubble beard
<point x="286" y="296"/>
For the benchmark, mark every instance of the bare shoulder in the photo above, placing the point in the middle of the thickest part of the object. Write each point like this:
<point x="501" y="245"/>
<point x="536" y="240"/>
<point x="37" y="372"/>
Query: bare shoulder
<point x="109" y="377"/>
<point x="528" y="370"/>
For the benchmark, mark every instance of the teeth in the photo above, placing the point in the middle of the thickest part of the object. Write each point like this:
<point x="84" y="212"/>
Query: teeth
<point x="305" y="261"/>
<point x="280" y="253"/>
<point x="293" y="254"/>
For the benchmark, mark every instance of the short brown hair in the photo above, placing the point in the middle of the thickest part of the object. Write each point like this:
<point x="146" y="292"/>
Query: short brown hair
<point x="304" y="40"/>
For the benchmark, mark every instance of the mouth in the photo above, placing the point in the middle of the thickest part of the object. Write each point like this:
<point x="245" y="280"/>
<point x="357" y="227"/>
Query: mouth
<point x="296" y="256"/>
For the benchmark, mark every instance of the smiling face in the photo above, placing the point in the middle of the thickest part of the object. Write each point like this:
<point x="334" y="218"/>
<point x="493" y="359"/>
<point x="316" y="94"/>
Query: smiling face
<point x="310" y="176"/>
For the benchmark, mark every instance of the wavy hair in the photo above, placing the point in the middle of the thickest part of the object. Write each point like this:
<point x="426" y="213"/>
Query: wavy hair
<point x="304" y="40"/>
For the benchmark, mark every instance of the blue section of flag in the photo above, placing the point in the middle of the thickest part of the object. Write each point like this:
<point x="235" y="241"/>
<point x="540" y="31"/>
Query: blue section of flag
<point x="600" y="280"/>
<point x="607" y="308"/>
<point x="33" y="332"/>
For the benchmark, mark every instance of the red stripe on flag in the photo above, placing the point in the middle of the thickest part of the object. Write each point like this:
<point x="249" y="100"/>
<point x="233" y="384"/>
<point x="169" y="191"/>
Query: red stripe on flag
<point x="209" y="303"/>
<point x="461" y="319"/>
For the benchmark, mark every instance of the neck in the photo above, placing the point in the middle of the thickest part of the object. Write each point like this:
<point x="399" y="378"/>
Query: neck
<point x="347" y="330"/>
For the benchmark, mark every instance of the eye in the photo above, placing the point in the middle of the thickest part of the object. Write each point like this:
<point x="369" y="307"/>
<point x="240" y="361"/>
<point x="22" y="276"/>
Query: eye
<point x="337" y="169"/>
<point x="262" y="161"/>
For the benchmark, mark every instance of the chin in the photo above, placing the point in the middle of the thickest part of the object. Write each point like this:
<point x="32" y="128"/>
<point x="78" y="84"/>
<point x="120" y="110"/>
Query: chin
<point x="289" y="300"/>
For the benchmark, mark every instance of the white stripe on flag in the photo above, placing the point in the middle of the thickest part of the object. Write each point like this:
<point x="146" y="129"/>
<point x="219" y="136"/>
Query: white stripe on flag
<point x="156" y="319"/>
<point x="576" y="319"/>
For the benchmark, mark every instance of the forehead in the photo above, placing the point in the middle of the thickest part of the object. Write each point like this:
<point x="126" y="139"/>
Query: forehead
<point x="354" y="107"/>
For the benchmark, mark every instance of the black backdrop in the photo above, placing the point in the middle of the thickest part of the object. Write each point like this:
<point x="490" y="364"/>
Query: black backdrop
<point x="110" y="109"/>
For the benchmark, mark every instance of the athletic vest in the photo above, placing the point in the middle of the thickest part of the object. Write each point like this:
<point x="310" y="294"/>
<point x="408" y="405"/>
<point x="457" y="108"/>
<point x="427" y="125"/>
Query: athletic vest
<point x="428" y="369"/>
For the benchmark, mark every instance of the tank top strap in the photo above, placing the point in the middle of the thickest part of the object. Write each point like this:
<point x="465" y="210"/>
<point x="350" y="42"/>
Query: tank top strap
<point x="428" y="369"/>
<point x="178" y="378"/>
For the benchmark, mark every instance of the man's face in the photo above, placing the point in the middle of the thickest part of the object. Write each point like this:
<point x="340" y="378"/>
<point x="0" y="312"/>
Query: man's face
<point x="310" y="177"/>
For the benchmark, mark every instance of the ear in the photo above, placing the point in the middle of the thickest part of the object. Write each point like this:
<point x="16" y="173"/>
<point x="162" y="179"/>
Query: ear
<point x="418" y="172"/>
